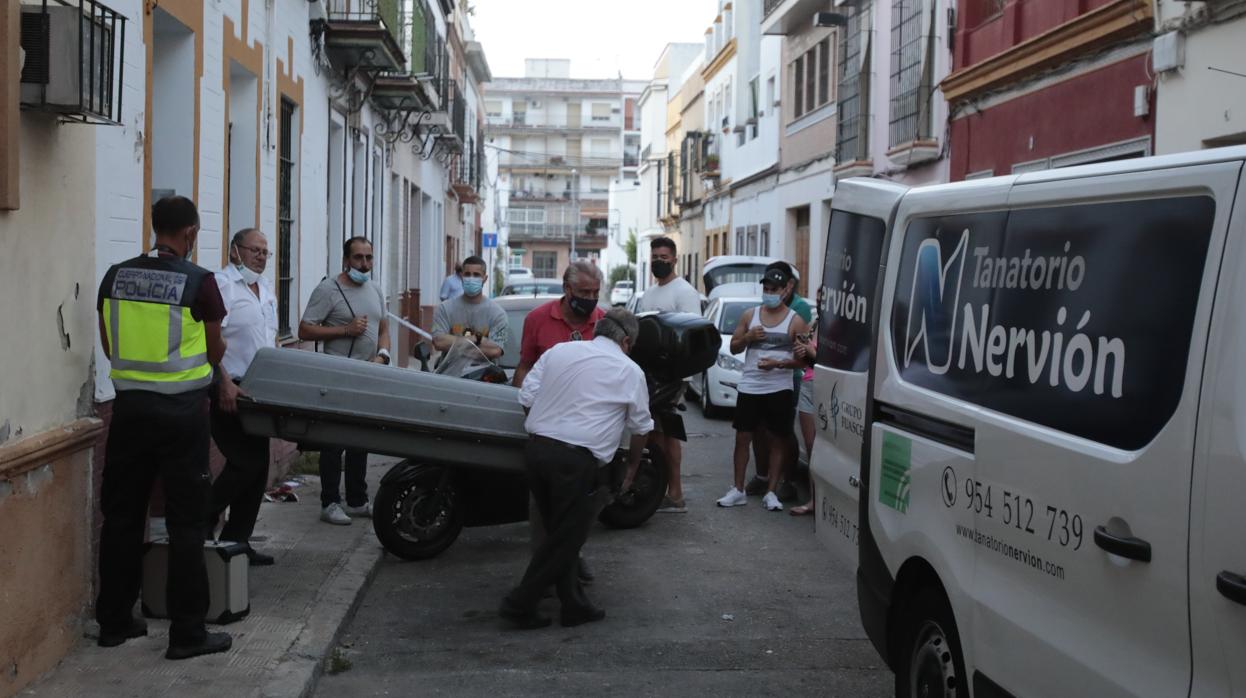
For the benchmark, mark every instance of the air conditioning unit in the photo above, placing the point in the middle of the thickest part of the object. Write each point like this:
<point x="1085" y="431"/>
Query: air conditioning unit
<point x="69" y="60"/>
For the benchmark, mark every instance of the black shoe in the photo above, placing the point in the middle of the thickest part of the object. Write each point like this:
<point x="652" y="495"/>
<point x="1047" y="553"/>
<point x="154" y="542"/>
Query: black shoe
<point x="580" y="616"/>
<point x="257" y="559"/>
<point x="523" y="620"/>
<point x="210" y="644"/>
<point x="109" y="638"/>
<point x="756" y="486"/>
<point x="786" y="492"/>
<point x="586" y="577"/>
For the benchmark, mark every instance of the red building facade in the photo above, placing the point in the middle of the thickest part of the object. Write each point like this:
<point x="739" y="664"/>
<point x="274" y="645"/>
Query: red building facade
<point x="1048" y="83"/>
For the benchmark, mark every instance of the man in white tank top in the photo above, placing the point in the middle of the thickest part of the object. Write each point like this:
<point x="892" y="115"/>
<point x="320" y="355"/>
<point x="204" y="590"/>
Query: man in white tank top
<point x="765" y="391"/>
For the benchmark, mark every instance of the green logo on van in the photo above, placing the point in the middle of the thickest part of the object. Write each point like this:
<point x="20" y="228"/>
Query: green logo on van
<point x="896" y="478"/>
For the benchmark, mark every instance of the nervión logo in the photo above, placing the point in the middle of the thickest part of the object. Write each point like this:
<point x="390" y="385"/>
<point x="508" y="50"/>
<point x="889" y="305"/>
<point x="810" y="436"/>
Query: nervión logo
<point x="932" y="308"/>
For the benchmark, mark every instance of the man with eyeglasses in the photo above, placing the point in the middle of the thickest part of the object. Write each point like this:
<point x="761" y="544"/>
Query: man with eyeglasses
<point x="250" y="325"/>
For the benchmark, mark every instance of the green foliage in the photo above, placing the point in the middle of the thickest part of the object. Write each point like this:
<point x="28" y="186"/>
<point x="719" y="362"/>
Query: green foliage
<point x="630" y="247"/>
<point x="620" y="273"/>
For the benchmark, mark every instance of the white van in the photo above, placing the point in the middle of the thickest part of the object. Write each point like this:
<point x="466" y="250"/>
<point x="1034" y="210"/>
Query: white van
<point x="1033" y="425"/>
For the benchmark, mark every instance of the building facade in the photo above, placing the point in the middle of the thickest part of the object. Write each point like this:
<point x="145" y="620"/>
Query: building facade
<point x="1196" y="59"/>
<point x="1048" y="84"/>
<point x="313" y="122"/>
<point x="556" y="144"/>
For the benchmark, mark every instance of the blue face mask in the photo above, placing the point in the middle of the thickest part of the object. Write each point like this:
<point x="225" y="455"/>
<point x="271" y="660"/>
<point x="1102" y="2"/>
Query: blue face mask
<point x="472" y="286"/>
<point x="771" y="300"/>
<point x="359" y="277"/>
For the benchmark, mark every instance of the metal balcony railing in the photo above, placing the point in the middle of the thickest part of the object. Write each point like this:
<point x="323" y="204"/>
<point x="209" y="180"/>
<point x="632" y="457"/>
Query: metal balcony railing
<point x="365" y="11"/>
<point x="769" y="6"/>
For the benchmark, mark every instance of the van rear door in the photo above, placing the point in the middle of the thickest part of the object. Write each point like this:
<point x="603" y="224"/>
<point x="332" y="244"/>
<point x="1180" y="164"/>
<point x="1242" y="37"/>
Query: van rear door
<point x="846" y="319"/>
<point x="1218" y="516"/>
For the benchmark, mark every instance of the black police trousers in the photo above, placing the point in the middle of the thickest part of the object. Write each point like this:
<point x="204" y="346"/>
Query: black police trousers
<point x="166" y="435"/>
<point x="240" y="485"/>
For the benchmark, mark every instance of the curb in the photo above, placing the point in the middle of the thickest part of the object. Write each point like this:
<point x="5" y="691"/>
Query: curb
<point x="298" y="671"/>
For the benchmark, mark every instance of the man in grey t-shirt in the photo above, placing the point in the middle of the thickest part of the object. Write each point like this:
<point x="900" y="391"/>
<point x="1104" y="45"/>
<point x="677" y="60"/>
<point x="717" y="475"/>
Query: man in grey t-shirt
<point x="347" y="313"/>
<point x="471" y="315"/>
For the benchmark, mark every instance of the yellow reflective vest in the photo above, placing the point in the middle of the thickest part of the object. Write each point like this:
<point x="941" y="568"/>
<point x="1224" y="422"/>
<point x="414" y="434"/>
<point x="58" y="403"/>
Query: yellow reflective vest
<point x="155" y="343"/>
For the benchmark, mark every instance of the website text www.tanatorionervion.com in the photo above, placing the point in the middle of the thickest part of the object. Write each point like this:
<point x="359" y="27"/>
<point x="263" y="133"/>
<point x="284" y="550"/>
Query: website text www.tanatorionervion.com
<point x="1024" y="557"/>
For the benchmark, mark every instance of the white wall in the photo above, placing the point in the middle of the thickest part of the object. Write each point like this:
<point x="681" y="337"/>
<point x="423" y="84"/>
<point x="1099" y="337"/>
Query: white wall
<point x="1220" y="115"/>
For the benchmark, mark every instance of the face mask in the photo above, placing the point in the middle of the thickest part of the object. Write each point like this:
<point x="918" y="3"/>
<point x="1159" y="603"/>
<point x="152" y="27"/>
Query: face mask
<point x="583" y="307"/>
<point x="190" y="248"/>
<point x="771" y="300"/>
<point x="661" y="270"/>
<point x="249" y="276"/>
<point x="473" y="286"/>
<point x="359" y="277"/>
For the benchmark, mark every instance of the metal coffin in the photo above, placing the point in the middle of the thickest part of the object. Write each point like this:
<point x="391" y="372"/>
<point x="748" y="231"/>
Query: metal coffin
<point x="320" y="400"/>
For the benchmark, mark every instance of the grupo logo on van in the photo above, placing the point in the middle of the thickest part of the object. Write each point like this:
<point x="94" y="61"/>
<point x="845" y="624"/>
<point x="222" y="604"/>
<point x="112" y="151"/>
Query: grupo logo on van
<point x="1074" y="317"/>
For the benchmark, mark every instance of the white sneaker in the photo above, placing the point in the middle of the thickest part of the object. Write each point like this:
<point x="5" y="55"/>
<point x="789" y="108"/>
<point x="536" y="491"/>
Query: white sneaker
<point x="772" y="502"/>
<point x="364" y="511"/>
<point x="733" y="498"/>
<point x="333" y="514"/>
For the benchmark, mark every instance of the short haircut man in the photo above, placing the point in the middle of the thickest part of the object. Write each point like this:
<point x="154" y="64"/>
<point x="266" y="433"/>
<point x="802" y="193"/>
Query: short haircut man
<point x="663" y="242"/>
<point x="472" y="260"/>
<point x="348" y="246"/>
<point x="173" y="214"/>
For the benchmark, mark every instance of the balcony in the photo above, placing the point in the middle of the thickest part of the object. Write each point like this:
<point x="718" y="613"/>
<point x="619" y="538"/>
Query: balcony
<point x="538" y="162"/>
<point x="468" y="172"/>
<point x="521" y="124"/>
<point x="361" y="34"/>
<point x="706" y="161"/>
<point x="782" y="17"/>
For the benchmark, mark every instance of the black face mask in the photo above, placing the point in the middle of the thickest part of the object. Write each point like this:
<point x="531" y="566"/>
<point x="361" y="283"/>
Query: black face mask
<point x="583" y="307"/>
<point x="661" y="270"/>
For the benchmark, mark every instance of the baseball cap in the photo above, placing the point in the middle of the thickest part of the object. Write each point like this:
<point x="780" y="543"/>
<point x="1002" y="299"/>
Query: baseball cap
<point x="776" y="277"/>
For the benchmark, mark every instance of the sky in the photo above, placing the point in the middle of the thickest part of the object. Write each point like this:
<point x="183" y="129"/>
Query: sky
<point x="601" y="38"/>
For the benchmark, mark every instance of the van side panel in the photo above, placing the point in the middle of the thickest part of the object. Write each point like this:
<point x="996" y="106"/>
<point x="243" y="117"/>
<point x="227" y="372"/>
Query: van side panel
<point x="1078" y="381"/>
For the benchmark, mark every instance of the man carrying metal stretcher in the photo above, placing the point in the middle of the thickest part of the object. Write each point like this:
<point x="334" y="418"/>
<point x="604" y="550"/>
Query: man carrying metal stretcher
<point x="578" y="396"/>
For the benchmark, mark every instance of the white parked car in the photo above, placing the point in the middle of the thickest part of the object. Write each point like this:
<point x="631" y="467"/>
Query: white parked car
<point x="622" y="292"/>
<point x="518" y="273"/>
<point x="716" y="389"/>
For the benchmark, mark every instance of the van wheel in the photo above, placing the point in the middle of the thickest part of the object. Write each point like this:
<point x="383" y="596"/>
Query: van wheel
<point x="931" y="664"/>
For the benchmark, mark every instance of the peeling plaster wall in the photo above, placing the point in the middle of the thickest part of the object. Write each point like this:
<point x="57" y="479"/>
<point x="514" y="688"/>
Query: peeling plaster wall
<point x="46" y="267"/>
<point x="37" y="628"/>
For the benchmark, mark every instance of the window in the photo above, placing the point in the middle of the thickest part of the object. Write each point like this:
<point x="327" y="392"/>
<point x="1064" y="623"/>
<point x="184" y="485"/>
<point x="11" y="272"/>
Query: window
<point x="811" y="79"/>
<point x="600" y="147"/>
<point x="854" y="88"/>
<point x="763" y="240"/>
<point x="516" y="257"/>
<point x="631" y="150"/>
<point x="910" y="74"/>
<point x="493" y="108"/>
<point x="771" y="97"/>
<point x="751" y="243"/>
<point x="739" y="241"/>
<point x="285" y="217"/>
<point x="601" y="111"/>
<point x="545" y="265"/>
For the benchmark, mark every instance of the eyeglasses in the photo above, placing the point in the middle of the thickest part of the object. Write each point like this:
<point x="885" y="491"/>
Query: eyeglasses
<point x="257" y="251"/>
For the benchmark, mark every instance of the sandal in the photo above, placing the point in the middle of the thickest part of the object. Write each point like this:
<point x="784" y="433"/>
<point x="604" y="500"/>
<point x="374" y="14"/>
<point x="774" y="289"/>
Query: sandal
<point x="802" y="510"/>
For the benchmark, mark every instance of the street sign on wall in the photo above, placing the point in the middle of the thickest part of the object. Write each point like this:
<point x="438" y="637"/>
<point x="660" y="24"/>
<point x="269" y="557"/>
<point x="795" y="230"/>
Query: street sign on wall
<point x="488" y="240"/>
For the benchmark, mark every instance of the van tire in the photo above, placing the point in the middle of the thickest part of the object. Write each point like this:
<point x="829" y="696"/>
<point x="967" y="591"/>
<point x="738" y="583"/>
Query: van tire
<point x="929" y="661"/>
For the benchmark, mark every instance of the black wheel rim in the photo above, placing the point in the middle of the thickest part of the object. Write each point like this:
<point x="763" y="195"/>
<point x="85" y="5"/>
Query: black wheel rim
<point x="421" y="513"/>
<point x="932" y="671"/>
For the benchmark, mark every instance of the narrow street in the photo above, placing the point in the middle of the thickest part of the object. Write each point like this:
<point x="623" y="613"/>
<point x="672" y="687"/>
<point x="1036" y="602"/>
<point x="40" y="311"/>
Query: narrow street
<point x="716" y="601"/>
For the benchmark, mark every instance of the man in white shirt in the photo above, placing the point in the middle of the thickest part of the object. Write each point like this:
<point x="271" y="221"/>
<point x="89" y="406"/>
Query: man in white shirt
<point x="251" y="324"/>
<point x="579" y="397"/>
<point x="673" y="294"/>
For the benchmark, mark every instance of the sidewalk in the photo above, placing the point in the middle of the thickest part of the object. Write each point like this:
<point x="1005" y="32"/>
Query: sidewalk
<point x="297" y="608"/>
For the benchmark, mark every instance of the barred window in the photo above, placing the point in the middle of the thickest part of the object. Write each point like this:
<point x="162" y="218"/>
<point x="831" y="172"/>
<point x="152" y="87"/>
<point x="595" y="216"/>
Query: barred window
<point x="910" y="74"/>
<point x="811" y="79"/>
<point x="851" y="127"/>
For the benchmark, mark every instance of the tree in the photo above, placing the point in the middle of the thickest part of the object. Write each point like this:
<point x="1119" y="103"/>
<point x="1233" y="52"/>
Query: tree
<point x="627" y="271"/>
<point x="630" y="247"/>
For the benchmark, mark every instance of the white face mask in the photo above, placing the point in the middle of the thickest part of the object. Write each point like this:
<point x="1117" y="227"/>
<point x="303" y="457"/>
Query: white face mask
<point x="249" y="276"/>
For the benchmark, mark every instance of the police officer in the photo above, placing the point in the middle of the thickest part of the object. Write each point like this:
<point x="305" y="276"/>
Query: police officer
<point x="160" y="324"/>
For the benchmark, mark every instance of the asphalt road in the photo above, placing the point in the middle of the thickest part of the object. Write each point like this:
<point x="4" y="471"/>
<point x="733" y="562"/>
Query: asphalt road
<point x="735" y="601"/>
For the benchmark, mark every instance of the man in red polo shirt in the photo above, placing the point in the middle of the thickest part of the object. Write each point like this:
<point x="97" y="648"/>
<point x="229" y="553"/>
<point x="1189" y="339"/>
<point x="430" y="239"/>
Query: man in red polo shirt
<point x="572" y="317"/>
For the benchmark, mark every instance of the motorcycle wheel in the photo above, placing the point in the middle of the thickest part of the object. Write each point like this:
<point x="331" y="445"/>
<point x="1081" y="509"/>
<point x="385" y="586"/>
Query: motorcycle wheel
<point x="637" y="506"/>
<point x="418" y="516"/>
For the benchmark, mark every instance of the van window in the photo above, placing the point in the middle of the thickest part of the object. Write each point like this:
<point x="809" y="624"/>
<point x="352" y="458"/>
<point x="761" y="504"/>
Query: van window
<point x="854" y="245"/>
<point x="1077" y="317"/>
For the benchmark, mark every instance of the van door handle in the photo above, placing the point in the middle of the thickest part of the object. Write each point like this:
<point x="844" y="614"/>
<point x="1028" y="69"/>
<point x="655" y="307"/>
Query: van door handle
<point x="853" y="481"/>
<point x="1232" y="586"/>
<point x="1125" y="546"/>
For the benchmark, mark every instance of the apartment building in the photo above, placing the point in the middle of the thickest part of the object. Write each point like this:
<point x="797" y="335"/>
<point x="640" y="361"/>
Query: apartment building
<point x="557" y="142"/>
<point x="310" y="121"/>
<point x="1047" y="84"/>
<point x="1196" y="59"/>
